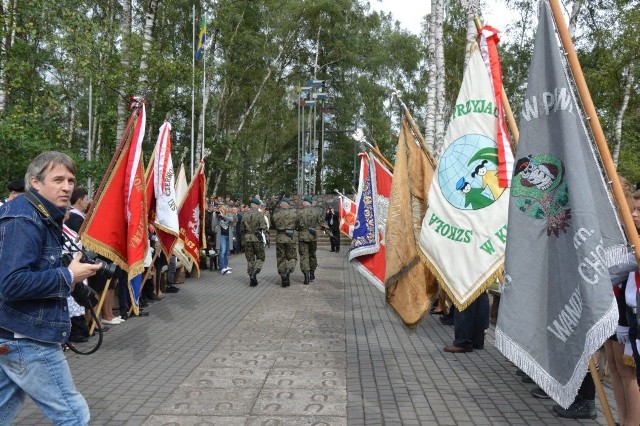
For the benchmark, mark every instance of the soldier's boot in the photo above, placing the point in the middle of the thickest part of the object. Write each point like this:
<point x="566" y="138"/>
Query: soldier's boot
<point x="306" y="278"/>
<point x="253" y="281"/>
<point x="312" y="276"/>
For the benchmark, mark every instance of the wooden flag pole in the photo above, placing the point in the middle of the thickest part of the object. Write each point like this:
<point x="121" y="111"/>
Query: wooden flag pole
<point x="146" y="276"/>
<point x="598" y="134"/>
<point x="416" y="130"/>
<point x="98" y="307"/>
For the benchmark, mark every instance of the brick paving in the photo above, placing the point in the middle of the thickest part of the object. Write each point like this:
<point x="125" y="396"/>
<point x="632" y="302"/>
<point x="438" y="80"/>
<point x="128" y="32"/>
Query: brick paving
<point x="220" y="352"/>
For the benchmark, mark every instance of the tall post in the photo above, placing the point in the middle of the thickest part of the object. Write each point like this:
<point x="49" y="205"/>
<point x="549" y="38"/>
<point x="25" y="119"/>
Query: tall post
<point x="204" y="87"/>
<point x="90" y="134"/>
<point x="193" y="82"/>
<point x="298" y="160"/>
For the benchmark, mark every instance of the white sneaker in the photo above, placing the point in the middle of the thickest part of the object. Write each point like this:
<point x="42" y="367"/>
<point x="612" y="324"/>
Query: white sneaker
<point x="114" y="321"/>
<point x="224" y="271"/>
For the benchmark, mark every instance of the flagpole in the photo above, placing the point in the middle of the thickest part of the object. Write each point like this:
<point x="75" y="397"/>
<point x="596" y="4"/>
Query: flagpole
<point x="511" y="121"/>
<point x="204" y="82"/>
<point x="416" y="130"/>
<point x="193" y="80"/>
<point x="598" y="134"/>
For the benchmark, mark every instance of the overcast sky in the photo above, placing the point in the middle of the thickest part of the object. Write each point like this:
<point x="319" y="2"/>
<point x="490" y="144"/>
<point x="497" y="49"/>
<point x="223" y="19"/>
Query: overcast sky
<point x="411" y="12"/>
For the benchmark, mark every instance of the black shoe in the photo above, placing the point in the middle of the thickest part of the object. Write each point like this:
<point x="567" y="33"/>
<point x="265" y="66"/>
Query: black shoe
<point x="539" y="393"/>
<point x="526" y="379"/>
<point x="306" y="278"/>
<point x="172" y="289"/>
<point x="580" y="409"/>
<point x="312" y="276"/>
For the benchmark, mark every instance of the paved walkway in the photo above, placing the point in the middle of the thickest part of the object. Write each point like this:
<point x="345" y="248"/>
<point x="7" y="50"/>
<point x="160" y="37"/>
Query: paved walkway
<point x="222" y="353"/>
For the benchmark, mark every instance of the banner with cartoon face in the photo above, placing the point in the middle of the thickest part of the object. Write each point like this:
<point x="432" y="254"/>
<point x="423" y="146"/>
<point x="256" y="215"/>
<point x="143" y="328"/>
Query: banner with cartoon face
<point x="557" y="305"/>
<point x="464" y="230"/>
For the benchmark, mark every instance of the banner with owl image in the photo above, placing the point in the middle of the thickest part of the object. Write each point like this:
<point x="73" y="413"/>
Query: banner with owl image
<point x="464" y="230"/>
<point x="191" y="217"/>
<point x="557" y="306"/>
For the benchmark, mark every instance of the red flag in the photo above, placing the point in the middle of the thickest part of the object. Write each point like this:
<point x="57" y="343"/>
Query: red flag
<point x="347" y="211"/>
<point x="191" y="217"/>
<point x="488" y="42"/>
<point x="367" y="245"/>
<point x="116" y="226"/>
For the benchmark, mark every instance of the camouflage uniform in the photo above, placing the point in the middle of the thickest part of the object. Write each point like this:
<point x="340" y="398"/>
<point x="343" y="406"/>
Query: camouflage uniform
<point x="285" y="220"/>
<point x="309" y="218"/>
<point x="253" y="223"/>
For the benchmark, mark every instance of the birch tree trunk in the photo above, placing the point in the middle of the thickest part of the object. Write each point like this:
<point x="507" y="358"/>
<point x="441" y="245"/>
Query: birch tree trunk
<point x="8" y="22"/>
<point x="617" y="139"/>
<point x="430" y="128"/>
<point x="472" y="7"/>
<point x="440" y="79"/>
<point x="573" y="18"/>
<point x="149" y="22"/>
<point x="125" y="25"/>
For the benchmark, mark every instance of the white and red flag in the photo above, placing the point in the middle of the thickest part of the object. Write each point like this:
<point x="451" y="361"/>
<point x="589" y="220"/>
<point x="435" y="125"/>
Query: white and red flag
<point x="166" y="204"/>
<point x="191" y="217"/>
<point x="367" y="253"/>
<point x="347" y="212"/>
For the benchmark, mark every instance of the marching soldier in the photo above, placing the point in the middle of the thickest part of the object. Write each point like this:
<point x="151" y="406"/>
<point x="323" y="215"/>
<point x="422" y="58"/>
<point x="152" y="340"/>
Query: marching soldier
<point x="308" y="219"/>
<point x="252" y="225"/>
<point x="285" y="221"/>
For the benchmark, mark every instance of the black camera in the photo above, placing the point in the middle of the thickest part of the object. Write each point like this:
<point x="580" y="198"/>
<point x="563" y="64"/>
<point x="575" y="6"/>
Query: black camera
<point x="84" y="296"/>
<point x="107" y="270"/>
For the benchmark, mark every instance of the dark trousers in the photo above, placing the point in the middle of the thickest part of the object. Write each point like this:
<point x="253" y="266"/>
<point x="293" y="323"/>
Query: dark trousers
<point x="469" y="325"/>
<point x="335" y="241"/>
<point x="633" y="335"/>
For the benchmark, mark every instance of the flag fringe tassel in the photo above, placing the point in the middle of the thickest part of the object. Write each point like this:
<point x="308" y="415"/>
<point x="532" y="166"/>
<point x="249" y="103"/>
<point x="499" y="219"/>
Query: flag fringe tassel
<point x="562" y="394"/>
<point x="495" y="276"/>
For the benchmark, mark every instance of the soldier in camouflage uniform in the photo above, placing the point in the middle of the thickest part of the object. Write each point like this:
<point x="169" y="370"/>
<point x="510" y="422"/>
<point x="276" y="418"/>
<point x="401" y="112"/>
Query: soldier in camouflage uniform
<point x="308" y="219"/>
<point x="252" y="225"/>
<point x="285" y="220"/>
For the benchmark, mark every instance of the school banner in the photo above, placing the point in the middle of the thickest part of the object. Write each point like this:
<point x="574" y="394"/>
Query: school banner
<point x="464" y="230"/>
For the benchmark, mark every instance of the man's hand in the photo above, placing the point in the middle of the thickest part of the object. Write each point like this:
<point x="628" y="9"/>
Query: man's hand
<point x="82" y="271"/>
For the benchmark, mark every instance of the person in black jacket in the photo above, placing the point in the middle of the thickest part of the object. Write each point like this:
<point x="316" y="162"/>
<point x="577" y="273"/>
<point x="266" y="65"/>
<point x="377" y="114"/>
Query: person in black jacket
<point x="333" y="220"/>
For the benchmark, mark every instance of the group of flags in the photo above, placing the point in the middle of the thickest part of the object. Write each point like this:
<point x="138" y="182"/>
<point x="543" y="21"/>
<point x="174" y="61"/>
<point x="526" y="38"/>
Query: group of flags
<point x="557" y="306"/>
<point x="129" y="199"/>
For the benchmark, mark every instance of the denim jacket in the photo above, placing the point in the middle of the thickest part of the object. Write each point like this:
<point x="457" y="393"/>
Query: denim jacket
<point x="33" y="283"/>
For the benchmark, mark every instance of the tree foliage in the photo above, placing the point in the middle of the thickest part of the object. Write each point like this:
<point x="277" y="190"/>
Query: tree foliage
<point x="259" y="52"/>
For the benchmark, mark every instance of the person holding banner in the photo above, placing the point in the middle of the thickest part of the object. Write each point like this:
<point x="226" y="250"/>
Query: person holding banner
<point x="34" y="285"/>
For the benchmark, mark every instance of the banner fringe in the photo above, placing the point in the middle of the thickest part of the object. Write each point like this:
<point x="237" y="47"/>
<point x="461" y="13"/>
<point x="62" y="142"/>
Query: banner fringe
<point x="482" y="288"/>
<point x="562" y="394"/>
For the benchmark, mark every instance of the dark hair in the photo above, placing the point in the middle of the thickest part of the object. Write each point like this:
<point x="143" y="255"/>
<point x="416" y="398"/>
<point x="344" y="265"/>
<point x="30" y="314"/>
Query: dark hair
<point x="478" y="167"/>
<point x="78" y="194"/>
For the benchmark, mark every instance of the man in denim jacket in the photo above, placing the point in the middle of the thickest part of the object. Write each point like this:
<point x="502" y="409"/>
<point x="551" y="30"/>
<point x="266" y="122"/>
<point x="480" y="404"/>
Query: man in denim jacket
<point x="34" y="285"/>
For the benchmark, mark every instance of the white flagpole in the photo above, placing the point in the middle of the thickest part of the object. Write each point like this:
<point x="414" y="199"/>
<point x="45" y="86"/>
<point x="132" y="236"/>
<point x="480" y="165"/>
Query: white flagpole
<point x="204" y="82"/>
<point x="193" y="81"/>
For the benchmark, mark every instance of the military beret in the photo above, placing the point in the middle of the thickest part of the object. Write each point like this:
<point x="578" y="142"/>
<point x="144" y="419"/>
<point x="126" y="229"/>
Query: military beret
<point x="255" y="201"/>
<point x="285" y="200"/>
<point x="16" y="185"/>
<point x="308" y="199"/>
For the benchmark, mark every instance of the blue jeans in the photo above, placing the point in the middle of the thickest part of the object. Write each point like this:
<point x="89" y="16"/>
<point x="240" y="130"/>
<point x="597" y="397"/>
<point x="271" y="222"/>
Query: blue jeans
<point x="223" y="256"/>
<point x="39" y="370"/>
